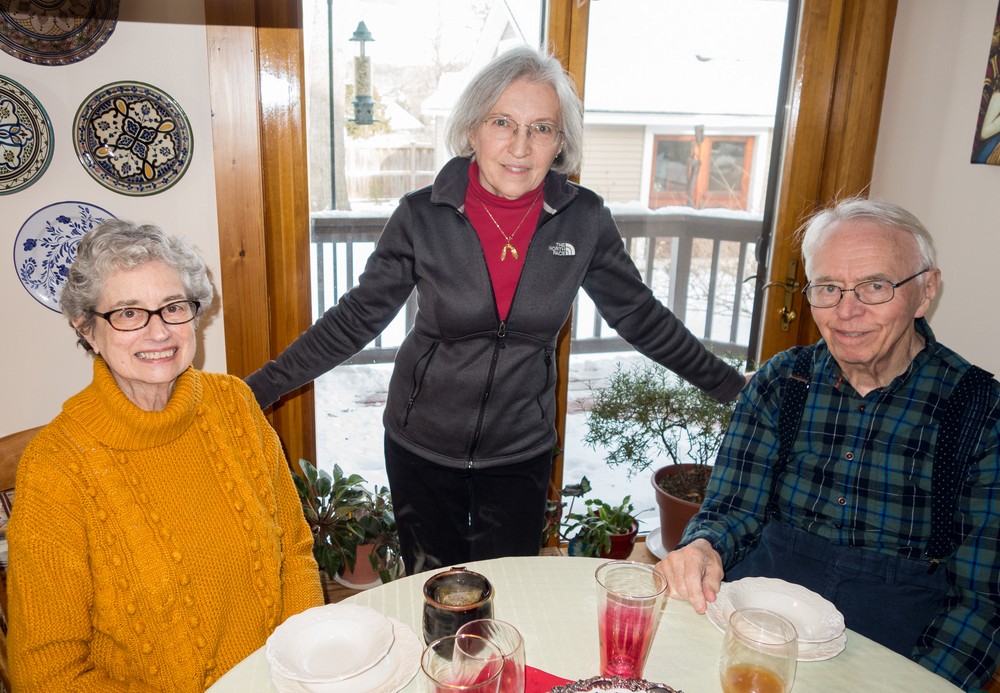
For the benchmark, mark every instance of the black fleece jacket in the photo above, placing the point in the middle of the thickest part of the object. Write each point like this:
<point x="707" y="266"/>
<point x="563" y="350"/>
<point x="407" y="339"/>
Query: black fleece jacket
<point x="467" y="389"/>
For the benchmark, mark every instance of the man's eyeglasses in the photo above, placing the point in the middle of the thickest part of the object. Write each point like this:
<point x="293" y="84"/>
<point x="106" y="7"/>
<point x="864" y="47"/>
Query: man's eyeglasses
<point x="132" y="318"/>
<point x="870" y="293"/>
<point x="503" y="129"/>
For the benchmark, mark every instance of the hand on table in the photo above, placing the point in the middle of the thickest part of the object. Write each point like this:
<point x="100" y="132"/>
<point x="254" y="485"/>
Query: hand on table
<point x="694" y="573"/>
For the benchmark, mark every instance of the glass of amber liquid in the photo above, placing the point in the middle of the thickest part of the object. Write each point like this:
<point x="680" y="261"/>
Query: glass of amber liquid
<point x="759" y="653"/>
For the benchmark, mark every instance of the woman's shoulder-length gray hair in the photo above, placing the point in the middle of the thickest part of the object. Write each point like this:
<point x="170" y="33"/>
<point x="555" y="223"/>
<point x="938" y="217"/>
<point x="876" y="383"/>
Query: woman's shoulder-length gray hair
<point x="482" y="93"/>
<point x="885" y="214"/>
<point x="118" y="245"/>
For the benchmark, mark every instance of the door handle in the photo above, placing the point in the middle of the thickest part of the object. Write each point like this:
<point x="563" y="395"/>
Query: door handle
<point x="791" y="286"/>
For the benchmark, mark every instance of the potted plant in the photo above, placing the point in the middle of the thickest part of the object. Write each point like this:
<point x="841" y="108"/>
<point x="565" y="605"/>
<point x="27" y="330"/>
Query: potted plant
<point x="647" y="414"/>
<point x="601" y="530"/>
<point x="347" y="521"/>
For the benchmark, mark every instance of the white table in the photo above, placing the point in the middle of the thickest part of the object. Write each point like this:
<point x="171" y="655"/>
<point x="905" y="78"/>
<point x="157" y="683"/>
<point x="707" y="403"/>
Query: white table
<point x="553" y="602"/>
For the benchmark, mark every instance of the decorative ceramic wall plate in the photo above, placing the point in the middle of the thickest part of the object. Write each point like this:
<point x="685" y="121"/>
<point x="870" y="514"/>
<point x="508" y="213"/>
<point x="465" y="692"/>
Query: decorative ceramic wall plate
<point x="45" y="247"/>
<point x="133" y="138"/>
<point x="55" y="32"/>
<point x="25" y="137"/>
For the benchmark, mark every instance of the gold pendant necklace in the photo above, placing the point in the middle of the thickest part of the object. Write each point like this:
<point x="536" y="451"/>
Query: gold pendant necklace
<point x="509" y="245"/>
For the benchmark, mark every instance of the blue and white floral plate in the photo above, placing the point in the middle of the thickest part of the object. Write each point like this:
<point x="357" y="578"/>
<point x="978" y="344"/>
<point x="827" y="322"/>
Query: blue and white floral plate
<point x="25" y="137"/>
<point x="56" y="32"/>
<point x="133" y="138"/>
<point x="45" y="247"/>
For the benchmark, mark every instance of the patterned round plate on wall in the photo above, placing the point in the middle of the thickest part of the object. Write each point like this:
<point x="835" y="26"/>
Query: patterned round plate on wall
<point x="133" y="138"/>
<point x="55" y="32"/>
<point x="45" y="247"/>
<point x="25" y="137"/>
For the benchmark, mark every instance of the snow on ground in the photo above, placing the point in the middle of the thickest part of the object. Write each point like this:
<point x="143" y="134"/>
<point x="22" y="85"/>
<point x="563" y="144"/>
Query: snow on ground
<point x="350" y="399"/>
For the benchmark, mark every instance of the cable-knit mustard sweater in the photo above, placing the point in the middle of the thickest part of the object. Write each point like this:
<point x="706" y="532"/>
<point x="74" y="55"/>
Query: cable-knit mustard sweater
<point x="152" y="551"/>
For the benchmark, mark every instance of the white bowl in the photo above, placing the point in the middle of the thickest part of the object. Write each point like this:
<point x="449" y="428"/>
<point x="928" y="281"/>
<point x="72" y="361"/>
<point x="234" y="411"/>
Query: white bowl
<point x="329" y="643"/>
<point x="392" y="673"/>
<point x="816" y="619"/>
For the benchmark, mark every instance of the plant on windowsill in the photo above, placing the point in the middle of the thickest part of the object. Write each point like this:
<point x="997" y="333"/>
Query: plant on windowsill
<point x="646" y="413"/>
<point x="602" y="530"/>
<point x="348" y="520"/>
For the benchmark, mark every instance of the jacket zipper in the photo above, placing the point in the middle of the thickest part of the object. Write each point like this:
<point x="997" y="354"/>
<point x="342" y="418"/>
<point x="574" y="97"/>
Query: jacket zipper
<point x="418" y="379"/>
<point x="500" y="336"/>
<point x="497" y="347"/>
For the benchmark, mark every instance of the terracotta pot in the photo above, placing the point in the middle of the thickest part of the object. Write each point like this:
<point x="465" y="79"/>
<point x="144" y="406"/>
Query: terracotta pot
<point x="622" y="544"/>
<point x="363" y="575"/>
<point x="674" y="512"/>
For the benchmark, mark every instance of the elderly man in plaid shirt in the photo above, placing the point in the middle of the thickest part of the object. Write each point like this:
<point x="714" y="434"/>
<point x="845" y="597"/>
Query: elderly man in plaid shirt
<point x="865" y="467"/>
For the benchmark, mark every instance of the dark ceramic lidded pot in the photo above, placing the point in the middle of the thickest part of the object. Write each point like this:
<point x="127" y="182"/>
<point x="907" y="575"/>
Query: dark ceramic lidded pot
<point x="453" y="598"/>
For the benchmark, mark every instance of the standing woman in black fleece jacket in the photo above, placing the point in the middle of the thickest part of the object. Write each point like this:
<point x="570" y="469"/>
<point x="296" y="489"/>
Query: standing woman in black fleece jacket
<point x="497" y="249"/>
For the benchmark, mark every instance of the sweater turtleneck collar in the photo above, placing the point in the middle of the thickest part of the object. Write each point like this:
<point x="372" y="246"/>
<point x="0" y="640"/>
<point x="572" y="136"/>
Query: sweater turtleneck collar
<point x="107" y="414"/>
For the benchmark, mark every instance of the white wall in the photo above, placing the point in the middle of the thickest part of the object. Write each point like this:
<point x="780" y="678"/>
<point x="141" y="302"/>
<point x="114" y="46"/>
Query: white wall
<point x="936" y="70"/>
<point x="160" y="43"/>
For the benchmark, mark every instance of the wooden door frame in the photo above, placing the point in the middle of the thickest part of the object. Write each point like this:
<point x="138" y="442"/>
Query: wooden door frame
<point x="260" y="160"/>
<point x="835" y="108"/>
<point x="257" y="93"/>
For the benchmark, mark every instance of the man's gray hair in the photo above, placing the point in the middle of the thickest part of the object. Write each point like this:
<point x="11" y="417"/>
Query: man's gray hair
<point x="118" y="245"/>
<point x="482" y="93"/>
<point x="885" y="214"/>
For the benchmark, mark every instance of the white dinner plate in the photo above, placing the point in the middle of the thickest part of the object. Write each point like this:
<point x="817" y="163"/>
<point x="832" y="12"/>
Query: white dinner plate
<point x="654" y="542"/>
<point x="390" y="675"/>
<point x="819" y="624"/>
<point x="608" y="684"/>
<point x="329" y="643"/>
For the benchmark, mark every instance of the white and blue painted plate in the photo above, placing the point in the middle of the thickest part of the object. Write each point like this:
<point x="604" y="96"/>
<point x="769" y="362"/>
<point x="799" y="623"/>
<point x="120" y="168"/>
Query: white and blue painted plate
<point x="45" y="247"/>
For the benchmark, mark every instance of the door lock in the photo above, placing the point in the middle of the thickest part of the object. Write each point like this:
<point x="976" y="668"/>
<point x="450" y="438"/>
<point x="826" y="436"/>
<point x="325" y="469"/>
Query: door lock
<point x="791" y="286"/>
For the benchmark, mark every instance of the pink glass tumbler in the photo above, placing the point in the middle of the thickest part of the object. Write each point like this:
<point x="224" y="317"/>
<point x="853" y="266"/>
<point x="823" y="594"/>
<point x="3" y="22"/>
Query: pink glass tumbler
<point x="629" y="599"/>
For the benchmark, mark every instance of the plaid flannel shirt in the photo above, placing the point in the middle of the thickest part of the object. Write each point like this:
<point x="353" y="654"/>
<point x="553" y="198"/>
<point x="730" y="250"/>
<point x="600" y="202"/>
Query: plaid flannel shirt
<point x="859" y="474"/>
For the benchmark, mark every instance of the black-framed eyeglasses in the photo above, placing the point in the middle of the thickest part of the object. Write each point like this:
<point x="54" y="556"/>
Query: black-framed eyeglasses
<point x="871" y="293"/>
<point x="131" y="318"/>
<point x="504" y="129"/>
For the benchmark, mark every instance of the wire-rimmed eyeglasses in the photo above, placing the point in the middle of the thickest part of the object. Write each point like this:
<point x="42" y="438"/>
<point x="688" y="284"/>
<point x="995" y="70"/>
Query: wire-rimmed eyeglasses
<point x="872" y="292"/>
<point x="503" y="129"/>
<point x="131" y="318"/>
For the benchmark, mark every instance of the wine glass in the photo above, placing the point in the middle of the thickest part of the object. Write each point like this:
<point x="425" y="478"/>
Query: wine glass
<point x="506" y="637"/>
<point x="462" y="663"/>
<point x="759" y="653"/>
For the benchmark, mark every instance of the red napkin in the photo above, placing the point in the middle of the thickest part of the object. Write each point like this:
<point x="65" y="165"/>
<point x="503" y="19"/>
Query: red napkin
<point x="538" y="681"/>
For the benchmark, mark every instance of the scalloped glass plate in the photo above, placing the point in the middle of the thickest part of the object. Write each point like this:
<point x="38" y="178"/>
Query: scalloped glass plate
<point x="329" y="643"/>
<point x="612" y="684"/>
<point x="390" y="675"/>
<point x="56" y="32"/>
<point x="45" y="247"/>
<point x="26" y="141"/>
<point x="819" y="624"/>
<point x="133" y="138"/>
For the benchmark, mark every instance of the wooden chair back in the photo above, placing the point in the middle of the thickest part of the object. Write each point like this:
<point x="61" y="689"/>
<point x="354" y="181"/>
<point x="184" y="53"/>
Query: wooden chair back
<point x="11" y="448"/>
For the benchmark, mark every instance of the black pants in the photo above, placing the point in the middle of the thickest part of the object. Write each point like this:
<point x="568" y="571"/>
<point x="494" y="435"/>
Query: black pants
<point x="890" y="599"/>
<point x="448" y="517"/>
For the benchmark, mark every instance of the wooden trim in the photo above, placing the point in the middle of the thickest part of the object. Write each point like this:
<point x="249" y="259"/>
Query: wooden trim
<point x="843" y="49"/>
<point x="262" y="198"/>
<point x="567" y="32"/>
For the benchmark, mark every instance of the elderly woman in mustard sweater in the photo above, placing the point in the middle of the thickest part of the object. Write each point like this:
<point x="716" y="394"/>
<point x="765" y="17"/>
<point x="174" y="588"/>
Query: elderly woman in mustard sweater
<point x="156" y="537"/>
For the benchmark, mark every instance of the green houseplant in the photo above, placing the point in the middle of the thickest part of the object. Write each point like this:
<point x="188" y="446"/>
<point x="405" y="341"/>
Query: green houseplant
<point x="647" y="414"/>
<point x="600" y="530"/>
<point x="343" y="516"/>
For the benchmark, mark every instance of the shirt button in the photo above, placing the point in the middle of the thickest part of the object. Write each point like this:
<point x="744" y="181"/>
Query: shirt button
<point x="849" y="456"/>
<point x="842" y="501"/>
<point x="862" y="408"/>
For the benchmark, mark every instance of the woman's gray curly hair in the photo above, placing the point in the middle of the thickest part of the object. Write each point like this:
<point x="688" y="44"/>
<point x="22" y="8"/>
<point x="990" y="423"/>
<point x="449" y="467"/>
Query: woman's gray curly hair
<point x="482" y="93"/>
<point x="118" y="245"/>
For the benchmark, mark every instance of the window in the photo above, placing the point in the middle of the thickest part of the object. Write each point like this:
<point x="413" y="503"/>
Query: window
<point x="712" y="174"/>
